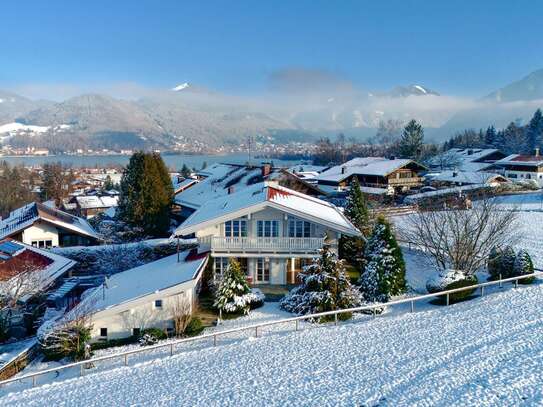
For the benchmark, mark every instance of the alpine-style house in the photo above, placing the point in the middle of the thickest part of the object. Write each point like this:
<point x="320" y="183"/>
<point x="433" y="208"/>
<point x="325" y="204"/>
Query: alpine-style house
<point x="273" y="231"/>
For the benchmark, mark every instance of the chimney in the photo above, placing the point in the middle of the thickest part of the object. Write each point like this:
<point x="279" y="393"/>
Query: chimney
<point x="343" y="170"/>
<point x="266" y="169"/>
<point x="230" y="189"/>
<point x="537" y="151"/>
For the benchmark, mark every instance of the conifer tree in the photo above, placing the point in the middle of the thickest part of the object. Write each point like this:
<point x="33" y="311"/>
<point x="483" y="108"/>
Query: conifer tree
<point x="490" y="137"/>
<point x="356" y="210"/>
<point x="412" y="140"/>
<point x="523" y="265"/>
<point x="534" y="132"/>
<point x="232" y="288"/>
<point x="384" y="274"/>
<point x="146" y="194"/>
<point x="324" y="287"/>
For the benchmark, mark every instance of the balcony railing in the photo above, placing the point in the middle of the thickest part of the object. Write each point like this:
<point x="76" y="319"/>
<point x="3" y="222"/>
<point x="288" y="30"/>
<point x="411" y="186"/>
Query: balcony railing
<point x="405" y="181"/>
<point x="261" y="244"/>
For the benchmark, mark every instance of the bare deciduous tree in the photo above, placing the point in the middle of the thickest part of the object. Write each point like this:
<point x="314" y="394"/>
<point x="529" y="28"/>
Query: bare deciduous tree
<point x="180" y="311"/>
<point x="23" y="279"/>
<point x="458" y="238"/>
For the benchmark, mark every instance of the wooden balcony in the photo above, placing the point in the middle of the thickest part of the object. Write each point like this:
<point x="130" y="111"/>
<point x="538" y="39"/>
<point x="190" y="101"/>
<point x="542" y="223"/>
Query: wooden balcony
<point x="261" y="244"/>
<point x="411" y="181"/>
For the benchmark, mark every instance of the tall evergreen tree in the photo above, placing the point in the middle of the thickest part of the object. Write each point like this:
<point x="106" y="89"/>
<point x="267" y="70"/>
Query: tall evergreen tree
<point x="490" y="137"/>
<point x="351" y="249"/>
<point x="384" y="274"/>
<point x="412" y="140"/>
<point x="146" y="194"/>
<point x="534" y="132"/>
<point x="233" y="287"/>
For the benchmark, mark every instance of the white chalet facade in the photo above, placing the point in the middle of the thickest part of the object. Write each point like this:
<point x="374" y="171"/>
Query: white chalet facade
<point x="271" y="230"/>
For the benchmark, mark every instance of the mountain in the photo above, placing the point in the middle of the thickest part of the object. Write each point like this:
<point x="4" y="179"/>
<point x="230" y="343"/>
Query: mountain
<point x="411" y="90"/>
<point x="13" y="106"/>
<point x="528" y="88"/>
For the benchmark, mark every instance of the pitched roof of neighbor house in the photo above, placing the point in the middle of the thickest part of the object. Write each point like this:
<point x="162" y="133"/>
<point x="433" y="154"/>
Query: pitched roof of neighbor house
<point x="467" y="177"/>
<point x="222" y="177"/>
<point x="467" y="159"/>
<point x="144" y="280"/>
<point x="16" y="258"/>
<point x="96" y="202"/>
<point x="267" y="194"/>
<point x="26" y="216"/>
<point x="379" y="166"/>
<point x="521" y="159"/>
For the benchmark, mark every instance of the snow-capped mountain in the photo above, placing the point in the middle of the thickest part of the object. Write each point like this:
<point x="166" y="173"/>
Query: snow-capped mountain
<point x="411" y="90"/>
<point x="181" y="87"/>
<point x="528" y="88"/>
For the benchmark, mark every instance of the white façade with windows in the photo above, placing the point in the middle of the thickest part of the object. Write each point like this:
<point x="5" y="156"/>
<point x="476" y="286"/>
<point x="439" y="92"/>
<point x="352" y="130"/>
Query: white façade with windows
<point x="270" y="230"/>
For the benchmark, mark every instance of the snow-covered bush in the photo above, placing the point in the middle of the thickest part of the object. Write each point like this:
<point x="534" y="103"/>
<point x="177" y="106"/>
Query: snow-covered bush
<point x="324" y="287"/>
<point x="151" y="336"/>
<point x="233" y="294"/>
<point x="384" y="274"/>
<point x="449" y="280"/>
<point x="501" y="262"/>
<point x="64" y="340"/>
<point x="523" y="265"/>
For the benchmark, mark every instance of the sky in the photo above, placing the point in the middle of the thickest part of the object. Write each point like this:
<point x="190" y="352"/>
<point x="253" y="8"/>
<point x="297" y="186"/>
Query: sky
<point x="462" y="48"/>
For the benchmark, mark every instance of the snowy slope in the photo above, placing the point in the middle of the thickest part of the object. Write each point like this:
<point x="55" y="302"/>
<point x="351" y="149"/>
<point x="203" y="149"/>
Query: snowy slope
<point x="483" y="352"/>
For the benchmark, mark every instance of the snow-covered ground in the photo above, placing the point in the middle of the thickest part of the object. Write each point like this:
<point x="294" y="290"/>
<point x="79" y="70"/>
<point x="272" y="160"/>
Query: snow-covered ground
<point x="11" y="351"/>
<point x="488" y="351"/>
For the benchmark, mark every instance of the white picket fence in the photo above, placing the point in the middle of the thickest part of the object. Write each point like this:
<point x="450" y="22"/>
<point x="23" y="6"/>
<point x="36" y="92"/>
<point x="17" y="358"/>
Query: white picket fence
<point x="212" y="337"/>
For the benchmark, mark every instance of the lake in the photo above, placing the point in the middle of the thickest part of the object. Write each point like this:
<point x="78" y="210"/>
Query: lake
<point x="174" y="161"/>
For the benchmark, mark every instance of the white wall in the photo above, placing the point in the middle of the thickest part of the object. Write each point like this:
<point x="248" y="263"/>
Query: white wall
<point x="41" y="231"/>
<point x="523" y="175"/>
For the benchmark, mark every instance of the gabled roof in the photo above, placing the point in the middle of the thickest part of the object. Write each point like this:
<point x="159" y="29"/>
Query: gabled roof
<point x="466" y="159"/>
<point x="26" y="216"/>
<point x="266" y="194"/>
<point x="95" y="202"/>
<point x="466" y="177"/>
<point x="520" y="159"/>
<point x="141" y="281"/>
<point x="378" y="166"/>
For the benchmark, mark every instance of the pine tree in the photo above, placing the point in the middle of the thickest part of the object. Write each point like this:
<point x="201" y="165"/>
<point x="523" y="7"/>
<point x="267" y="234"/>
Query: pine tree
<point x="490" y="137"/>
<point x="523" y="265"/>
<point x="356" y="210"/>
<point x="185" y="171"/>
<point x="146" y="194"/>
<point x="384" y="274"/>
<point x="232" y="288"/>
<point x="412" y="140"/>
<point x="324" y="287"/>
<point x="534" y="132"/>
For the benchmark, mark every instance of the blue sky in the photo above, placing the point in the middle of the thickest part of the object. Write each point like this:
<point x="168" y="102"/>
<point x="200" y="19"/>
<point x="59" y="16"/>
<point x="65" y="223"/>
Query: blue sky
<point x="465" y="48"/>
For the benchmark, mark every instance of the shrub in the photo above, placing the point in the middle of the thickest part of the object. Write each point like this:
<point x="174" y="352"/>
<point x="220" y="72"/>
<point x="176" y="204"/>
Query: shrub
<point x="524" y="265"/>
<point x="194" y="327"/>
<point x="156" y="332"/>
<point x="233" y="294"/>
<point x="449" y="280"/>
<point x="501" y="262"/>
<point x="65" y="341"/>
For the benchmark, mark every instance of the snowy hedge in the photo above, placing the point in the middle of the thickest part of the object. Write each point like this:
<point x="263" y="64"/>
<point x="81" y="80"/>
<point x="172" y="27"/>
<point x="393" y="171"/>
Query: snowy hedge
<point x="504" y="263"/>
<point x="449" y="280"/>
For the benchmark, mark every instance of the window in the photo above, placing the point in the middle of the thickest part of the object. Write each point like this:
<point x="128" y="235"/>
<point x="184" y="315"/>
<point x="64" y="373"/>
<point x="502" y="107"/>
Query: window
<point x="136" y="331"/>
<point x="235" y="228"/>
<point x="221" y="263"/>
<point x="42" y="244"/>
<point x="262" y="271"/>
<point x="299" y="228"/>
<point x="268" y="228"/>
<point x="158" y="303"/>
<point x="103" y="332"/>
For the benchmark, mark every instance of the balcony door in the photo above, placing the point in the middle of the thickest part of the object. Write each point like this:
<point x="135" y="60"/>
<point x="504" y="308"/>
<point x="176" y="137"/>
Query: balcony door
<point x="262" y="271"/>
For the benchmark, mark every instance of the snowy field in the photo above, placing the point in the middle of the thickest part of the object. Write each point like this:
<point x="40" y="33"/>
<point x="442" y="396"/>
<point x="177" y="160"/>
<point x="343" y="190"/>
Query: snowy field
<point x="484" y="352"/>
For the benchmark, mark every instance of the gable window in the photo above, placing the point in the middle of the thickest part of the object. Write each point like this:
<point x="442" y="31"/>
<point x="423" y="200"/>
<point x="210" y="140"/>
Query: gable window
<point x="299" y="228"/>
<point x="103" y="332"/>
<point x="262" y="270"/>
<point x="158" y="304"/>
<point x="268" y="228"/>
<point x="235" y="228"/>
<point x="42" y="244"/>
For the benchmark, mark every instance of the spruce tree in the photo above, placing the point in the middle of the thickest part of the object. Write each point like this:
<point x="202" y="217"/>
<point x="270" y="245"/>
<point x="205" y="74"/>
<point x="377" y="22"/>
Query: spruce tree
<point x="351" y="249"/>
<point x="523" y="265"/>
<point x="534" y="132"/>
<point x="146" y="194"/>
<point x="232" y="288"/>
<point x="412" y="140"/>
<point x="384" y="274"/>
<point x="324" y="287"/>
<point x="490" y="137"/>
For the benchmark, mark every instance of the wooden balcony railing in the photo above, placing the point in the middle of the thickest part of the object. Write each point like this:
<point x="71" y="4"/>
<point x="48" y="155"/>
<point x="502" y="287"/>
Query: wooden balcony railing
<point x="261" y="244"/>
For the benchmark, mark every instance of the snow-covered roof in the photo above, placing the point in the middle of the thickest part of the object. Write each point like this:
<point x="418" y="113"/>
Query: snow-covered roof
<point x="440" y="192"/>
<point x="521" y="160"/>
<point x="379" y="166"/>
<point x="466" y="159"/>
<point x="94" y="201"/>
<point x="267" y="194"/>
<point x="144" y="280"/>
<point x="27" y="215"/>
<point x="465" y="177"/>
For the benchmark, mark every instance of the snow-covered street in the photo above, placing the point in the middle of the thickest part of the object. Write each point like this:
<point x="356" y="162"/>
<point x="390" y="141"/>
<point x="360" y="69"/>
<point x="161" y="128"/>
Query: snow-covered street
<point x="488" y="351"/>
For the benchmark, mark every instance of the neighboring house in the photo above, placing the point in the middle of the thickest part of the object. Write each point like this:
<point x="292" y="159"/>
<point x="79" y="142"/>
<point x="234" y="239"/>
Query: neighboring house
<point x="181" y="183"/>
<point x="26" y="271"/>
<point x="518" y="167"/>
<point x="466" y="159"/>
<point x="271" y="230"/>
<point x="383" y="174"/>
<point x="459" y="178"/>
<point x="222" y="179"/>
<point x="307" y="172"/>
<point x="44" y="227"/>
<point x="88" y="206"/>
<point x="142" y="297"/>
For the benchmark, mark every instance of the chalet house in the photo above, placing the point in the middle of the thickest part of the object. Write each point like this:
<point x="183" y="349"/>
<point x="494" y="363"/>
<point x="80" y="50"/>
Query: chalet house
<point x="41" y="226"/>
<point x="272" y="231"/>
<point x="466" y="159"/>
<point x="518" y="167"/>
<point x="220" y="180"/>
<point x="459" y="178"/>
<point x="382" y="174"/>
<point x="88" y="206"/>
<point x="142" y="297"/>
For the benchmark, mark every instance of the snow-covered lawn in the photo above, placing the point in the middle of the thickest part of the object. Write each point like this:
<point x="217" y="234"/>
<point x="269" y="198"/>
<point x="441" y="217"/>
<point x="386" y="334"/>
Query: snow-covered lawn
<point x="13" y="350"/>
<point x="488" y="351"/>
